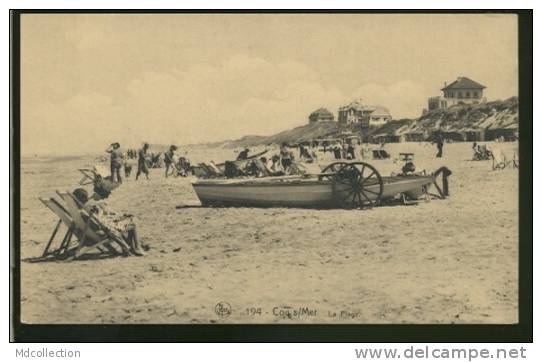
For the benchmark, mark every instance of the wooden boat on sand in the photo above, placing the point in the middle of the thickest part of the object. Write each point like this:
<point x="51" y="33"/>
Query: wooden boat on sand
<point x="341" y="184"/>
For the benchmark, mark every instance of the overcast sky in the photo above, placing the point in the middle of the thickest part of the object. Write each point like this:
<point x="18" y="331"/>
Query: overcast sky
<point x="89" y="80"/>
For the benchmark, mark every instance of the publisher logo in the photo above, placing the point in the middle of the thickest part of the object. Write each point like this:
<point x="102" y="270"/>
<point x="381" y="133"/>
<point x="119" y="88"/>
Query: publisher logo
<point x="223" y="309"/>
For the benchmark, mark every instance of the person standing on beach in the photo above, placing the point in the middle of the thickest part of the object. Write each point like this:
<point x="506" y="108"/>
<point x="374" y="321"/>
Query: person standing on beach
<point x="286" y="156"/>
<point x="116" y="161"/>
<point x="142" y="162"/>
<point x="337" y="152"/>
<point x="350" y="151"/>
<point x="440" y="145"/>
<point x="168" y="159"/>
<point x="301" y="151"/>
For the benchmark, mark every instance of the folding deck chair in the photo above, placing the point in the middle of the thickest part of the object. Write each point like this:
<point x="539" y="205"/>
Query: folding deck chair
<point x="103" y="185"/>
<point x="500" y="162"/>
<point x="215" y="169"/>
<point x="262" y="167"/>
<point x="90" y="234"/>
<point x="380" y="154"/>
<point x="198" y="171"/>
<point x="209" y="172"/>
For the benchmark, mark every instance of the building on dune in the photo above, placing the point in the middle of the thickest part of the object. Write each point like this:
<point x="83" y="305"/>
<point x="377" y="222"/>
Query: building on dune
<point x="321" y="115"/>
<point x="358" y="113"/>
<point x="461" y="91"/>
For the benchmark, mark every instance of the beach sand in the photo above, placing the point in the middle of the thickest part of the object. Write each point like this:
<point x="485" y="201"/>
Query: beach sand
<point x="443" y="261"/>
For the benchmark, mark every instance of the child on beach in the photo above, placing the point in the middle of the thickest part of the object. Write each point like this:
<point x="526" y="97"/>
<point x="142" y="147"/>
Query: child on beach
<point x="116" y="160"/>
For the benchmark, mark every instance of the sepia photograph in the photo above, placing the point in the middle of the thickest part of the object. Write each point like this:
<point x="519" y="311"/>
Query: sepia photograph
<point x="269" y="168"/>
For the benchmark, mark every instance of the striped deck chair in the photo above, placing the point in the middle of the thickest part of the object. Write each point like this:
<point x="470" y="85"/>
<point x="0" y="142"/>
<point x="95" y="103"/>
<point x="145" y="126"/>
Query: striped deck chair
<point x="92" y="234"/>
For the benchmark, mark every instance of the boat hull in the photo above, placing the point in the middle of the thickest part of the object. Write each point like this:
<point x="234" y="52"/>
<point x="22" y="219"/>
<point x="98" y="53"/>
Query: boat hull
<point x="296" y="192"/>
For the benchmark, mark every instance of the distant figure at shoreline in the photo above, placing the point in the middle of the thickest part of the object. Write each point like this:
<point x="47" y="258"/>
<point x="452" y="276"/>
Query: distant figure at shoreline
<point x="142" y="162"/>
<point x="116" y="160"/>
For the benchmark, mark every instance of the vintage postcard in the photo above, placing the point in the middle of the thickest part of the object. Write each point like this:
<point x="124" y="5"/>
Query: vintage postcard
<point x="253" y="168"/>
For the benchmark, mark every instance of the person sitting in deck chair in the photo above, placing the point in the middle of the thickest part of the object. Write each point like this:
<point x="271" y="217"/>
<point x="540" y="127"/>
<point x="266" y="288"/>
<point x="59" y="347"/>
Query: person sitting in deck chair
<point x="103" y="185"/>
<point x="275" y="164"/>
<point x="478" y="153"/>
<point x="243" y="155"/>
<point x="481" y="153"/>
<point x="264" y="169"/>
<point x="183" y="166"/>
<point x="121" y="224"/>
<point x="488" y="154"/>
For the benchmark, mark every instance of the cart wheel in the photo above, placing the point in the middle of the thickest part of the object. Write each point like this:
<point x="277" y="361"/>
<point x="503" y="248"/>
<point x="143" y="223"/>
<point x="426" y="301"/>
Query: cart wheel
<point x="332" y="168"/>
<point x="365" y="184"/>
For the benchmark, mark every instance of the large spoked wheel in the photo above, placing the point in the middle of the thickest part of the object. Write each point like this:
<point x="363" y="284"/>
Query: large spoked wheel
<point x="364" y="185"/>
<point x="331" y="170"/>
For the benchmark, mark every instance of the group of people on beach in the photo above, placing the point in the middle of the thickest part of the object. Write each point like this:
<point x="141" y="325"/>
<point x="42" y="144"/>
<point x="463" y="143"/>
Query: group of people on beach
<point x="118" y="160"/>
<point x="173" y="163"/>
<point x="120" y="225"/>
<point x="308" y="152"/>
<point x="282" y="162"/>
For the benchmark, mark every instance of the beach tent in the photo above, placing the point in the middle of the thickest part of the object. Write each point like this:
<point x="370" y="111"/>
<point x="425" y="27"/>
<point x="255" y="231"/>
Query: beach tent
<point x="386" y="138"/>
<point x="472" y="134"/>
<point x="414" y="136"/>
<point x="509" y="133"/>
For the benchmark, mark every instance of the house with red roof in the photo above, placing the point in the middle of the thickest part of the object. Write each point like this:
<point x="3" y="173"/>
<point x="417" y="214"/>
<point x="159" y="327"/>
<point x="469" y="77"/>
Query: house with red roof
<point x="461" y="91"/>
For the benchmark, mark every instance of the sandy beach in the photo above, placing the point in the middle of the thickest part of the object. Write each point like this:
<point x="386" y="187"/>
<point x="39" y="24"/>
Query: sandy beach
<point x="443" y="261"/>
